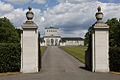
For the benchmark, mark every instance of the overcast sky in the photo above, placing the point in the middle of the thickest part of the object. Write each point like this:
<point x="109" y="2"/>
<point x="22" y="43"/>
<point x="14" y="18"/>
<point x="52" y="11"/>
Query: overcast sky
<point x="73" y="17"/>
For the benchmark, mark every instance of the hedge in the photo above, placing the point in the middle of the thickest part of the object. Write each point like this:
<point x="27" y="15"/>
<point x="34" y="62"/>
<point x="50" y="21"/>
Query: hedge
<point x="114" y="56"/>
<point x="10" y="57"/>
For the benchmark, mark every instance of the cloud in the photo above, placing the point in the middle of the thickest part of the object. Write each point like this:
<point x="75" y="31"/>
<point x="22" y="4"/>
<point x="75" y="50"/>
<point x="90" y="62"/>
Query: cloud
<point x="18" y="1"/>
<point x="75" y="1"/>
<point x="18" y="16"/>
<point x="75" y="19"/>
<point x="21" y="2"/>
<point x="110" y="0"/>
<point x="110" y="10"/>
<point x="39" y="1"/>
<point x="72" y="19"/>
<point x="4" y="8"/>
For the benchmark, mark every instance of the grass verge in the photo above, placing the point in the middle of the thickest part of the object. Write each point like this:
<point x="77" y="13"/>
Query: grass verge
<point x="76" y="51"/>
<point x="43" y="48"/>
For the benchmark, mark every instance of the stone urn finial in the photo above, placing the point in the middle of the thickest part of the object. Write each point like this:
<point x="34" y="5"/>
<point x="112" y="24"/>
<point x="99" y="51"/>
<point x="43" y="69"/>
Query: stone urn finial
<point x="30" y="14"/>
<point x="99" y="9"/>
<point x="99" y="15"/>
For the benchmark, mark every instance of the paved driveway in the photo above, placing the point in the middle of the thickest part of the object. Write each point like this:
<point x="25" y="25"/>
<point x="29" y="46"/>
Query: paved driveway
<point x="58" y="65"/>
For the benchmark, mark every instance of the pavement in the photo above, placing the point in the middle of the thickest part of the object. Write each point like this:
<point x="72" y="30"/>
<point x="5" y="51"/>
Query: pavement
<point x="59" y="65"/>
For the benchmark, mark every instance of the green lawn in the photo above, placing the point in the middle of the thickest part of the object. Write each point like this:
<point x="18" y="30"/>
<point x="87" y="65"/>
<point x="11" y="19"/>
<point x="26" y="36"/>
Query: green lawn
<point x="43" y="48"/>
<point x="77" y="51"/>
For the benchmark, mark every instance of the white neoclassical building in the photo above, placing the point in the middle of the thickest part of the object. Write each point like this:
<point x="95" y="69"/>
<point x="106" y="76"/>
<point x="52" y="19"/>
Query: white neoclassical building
<point x="52" y="38"/>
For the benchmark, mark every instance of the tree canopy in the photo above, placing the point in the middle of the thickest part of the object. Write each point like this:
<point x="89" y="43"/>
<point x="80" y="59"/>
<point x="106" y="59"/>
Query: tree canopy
<point x="114" y="32"/>
<point x="8" y="33"/>
<point x="87" y="36"/>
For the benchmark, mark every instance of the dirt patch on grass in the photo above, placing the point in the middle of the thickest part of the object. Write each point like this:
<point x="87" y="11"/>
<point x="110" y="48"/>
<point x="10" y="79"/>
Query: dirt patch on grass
<point x="9" y="73"/>
<point x="118" y="73"/>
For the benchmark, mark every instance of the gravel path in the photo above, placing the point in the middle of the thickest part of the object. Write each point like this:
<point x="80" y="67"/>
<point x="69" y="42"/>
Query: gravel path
<point x="58" y="65"/>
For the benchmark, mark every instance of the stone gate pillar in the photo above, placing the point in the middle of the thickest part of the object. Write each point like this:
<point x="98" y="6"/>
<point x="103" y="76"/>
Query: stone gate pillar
<point x="100" y="44"/>
<point x="29" y="45"/>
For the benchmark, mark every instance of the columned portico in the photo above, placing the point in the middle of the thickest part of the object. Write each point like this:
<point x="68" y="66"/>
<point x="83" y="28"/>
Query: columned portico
<point x="52" y="40"/>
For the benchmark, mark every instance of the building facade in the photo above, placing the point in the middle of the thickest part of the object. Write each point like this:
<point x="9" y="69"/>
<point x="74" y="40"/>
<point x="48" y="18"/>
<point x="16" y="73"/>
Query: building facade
<point x="52" y="38"/>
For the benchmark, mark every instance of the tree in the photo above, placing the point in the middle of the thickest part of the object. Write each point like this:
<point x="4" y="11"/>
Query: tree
<point x="87" y="36"/>
<point x="114" y="32"/>
<point x="19" y="32"/>
<point x="8" y="33"/>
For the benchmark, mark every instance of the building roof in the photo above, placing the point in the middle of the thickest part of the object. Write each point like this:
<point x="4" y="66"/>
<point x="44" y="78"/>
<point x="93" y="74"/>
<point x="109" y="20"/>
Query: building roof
<point x="52" y="36"/>
<point x="72" y="38"/>
<point x="52" y="28"/>
<point x="64" y="39"/>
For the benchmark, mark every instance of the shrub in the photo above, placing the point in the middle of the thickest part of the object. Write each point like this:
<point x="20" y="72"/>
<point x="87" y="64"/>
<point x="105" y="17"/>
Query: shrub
<point x="114" y="56"/>
<point x="10" y="57"/>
